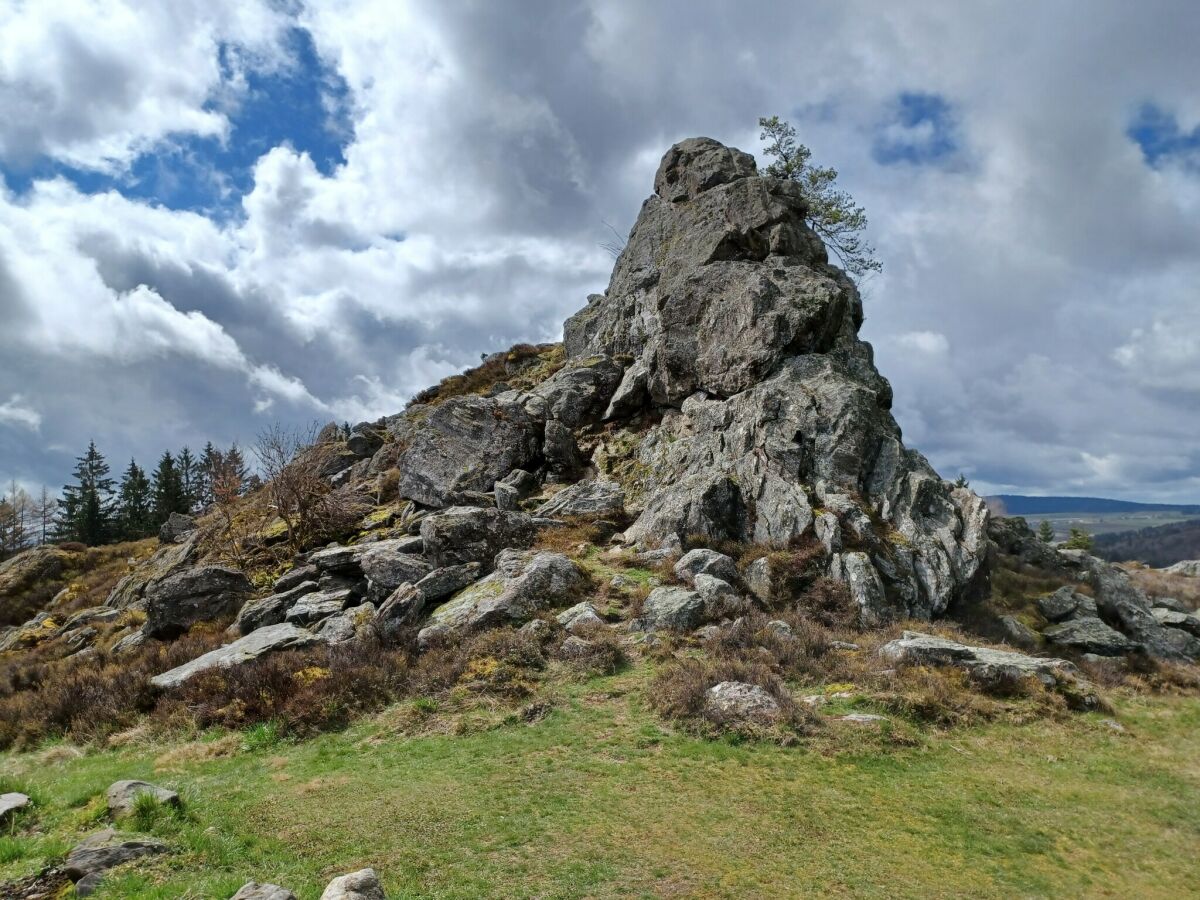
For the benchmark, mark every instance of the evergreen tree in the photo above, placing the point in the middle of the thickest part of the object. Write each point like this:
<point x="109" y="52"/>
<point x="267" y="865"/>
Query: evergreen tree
<point x="210" y="463"/>
<point x="1079" y="539"/>
<point x="189" y="479"/>
<point x="1046" y="532"/>
<point x="169" y="495"/>
<point x="235" y="464"/>
<point x="86" y="510"/>
<point x="135" y="512"/>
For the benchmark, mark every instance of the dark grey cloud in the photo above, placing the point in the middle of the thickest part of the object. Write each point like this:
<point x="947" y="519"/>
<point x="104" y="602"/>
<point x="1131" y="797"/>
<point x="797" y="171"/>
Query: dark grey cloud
<point x="1037" y="312"/>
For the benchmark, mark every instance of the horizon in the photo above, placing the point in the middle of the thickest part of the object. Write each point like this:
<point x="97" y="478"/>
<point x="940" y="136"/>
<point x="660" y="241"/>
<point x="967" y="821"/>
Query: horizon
<point x="297" y="214"/>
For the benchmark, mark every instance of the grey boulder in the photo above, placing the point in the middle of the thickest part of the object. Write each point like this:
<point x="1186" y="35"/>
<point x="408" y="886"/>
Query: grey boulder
<point x="523" y="584"/>
<point x="1066" y="603"/>
<point x="580" y="617"/>
<point x="11" y="803"/>
<point x="983" y="663"/>
<point x="465" y="444"/>
<point x="585" y="498"/>
<point x="105" y="850"/>
<point x="1170" y="618"/>
<point x="198" y="594"/>
<point x="122" y="796"/>
<point x="386" y="568"/>
<point x="707" y="562"/>
<point x="1089" y="635"/>
<point x="466" y="534"/>
<point x="361" y="885"/>
<point x="737" y="701"/>
<point x="312" y="608"/>
<point x="672" y="609"/>
<point x="272" y="610"/>
<point x="271" y="639"/>
<point x="175" y="528"/>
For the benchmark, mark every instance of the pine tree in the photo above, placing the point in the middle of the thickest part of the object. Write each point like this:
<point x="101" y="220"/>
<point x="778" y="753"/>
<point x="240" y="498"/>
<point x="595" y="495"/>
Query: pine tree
<point x="1079" y="539"/>
<point x="1046" y="532"/>
<point x="169" y="495"/>
<point x="210" y="463"/>
<point x="135" y="513"/>
<point x="86" y="510"/>
<point x="235" y="464"/>
<point x="189" y="479"/>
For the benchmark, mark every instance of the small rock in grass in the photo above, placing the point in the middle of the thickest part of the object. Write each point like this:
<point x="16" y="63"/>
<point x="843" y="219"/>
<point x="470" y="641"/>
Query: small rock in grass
<point x="122" y="796"/>
<point x="361" y="885"/>
<point x="252" y="890"/>
<point x="862" y="718"/>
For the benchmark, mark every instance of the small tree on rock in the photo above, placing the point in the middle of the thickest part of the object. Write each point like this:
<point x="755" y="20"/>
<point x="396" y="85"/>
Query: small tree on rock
<point x="832" y="213"/>
<point x="1046" y="532"/>
<point x="1080" y="540"/>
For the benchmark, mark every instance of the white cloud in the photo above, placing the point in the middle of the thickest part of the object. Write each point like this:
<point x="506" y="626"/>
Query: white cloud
<point x="13" y="411"/>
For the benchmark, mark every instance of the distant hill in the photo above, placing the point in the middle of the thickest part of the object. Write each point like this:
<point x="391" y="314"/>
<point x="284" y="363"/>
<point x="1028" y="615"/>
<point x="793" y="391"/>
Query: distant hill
<point x="1159" y="546"/>
<point x="1020" y="505"/>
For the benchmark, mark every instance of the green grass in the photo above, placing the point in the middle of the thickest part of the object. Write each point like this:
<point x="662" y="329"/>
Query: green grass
<point x="599" y="799"/>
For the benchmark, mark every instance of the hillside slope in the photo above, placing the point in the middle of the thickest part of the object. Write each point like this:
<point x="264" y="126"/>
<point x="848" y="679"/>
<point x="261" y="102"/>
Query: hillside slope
<point x="1160" y="546"/>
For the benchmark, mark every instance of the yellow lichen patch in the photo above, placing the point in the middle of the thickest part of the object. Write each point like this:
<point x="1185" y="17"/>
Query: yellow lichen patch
<point x="311" y="674"/>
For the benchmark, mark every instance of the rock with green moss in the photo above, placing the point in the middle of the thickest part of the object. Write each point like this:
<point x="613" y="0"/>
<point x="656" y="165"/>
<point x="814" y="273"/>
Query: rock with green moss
<point x="524" y="584"/>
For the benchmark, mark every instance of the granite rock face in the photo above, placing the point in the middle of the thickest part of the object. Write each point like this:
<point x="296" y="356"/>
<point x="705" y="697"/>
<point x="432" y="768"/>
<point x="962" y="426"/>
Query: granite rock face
<point x="744" y="344"/>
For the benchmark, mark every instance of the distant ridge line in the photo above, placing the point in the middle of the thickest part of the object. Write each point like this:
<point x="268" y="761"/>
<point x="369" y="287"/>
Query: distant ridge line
<point x="1022" y="505"/>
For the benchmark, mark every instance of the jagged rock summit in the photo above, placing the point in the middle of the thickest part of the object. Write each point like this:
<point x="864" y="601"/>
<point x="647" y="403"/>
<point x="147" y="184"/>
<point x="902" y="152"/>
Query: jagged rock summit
<point x="741" y="339"/>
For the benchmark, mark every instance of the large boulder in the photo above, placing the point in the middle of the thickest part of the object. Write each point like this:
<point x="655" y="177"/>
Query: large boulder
<point x="1088" y="634"/>
<point x="105" y="850"/>
<point x="591" y="499"/>
<point x="131" y="590"/>
<point x="1125" y="607"/>
<point x="737" y="701"/>
<point x="524" y="584"/>
<point x="386" y="567"/>
<point x="1184" y="621"/>
<point x="258" y="643"/>
<point x="193" y="595"/>
<point x="578" y="393"/>
<point x="464" y="444"/>
<point x="176" y="528"/>
<point x="466" y="534"/>
<point x="673" y="609"/>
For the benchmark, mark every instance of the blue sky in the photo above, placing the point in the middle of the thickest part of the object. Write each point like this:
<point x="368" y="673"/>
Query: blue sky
<point x="224" y="214"/>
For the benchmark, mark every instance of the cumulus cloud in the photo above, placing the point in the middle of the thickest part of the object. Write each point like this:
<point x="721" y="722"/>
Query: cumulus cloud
<point x="1037" y="225"/>
<point x="13" y="411"/>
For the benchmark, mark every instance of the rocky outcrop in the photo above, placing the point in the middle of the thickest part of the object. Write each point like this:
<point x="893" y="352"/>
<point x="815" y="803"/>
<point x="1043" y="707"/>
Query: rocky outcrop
<point x="591" y="499"/>
<point x="131" y="590"/>
<point x="193" y="595"/>
<point x="745" y="341"/>
<point x="272" y="610"/>
<point x="1187" y="567"/>
<point x="258" y="643"/>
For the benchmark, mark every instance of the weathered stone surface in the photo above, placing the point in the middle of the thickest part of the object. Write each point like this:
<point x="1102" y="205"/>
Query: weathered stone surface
<point x="866" y="587"/>
<point x="1171" y="603"/>
<point x="253" y="890"/>
<point x="1124" y="606"/>
<point x="580" y="393"/>
<point x="1066" y="603"/>
<point x="361" y="885"/>
<point x="561" y="452"/>
<point x="272" y="610"/>
<point x="386" y="568"/>
<point x="314" y="607"/>
<point x="1170" y="618"/>
<point x="335" y="559"/>
<point x="523" y="584"/>
<point x="106" y="850"/>
<point x="448" y="580"/>
<point x="720" y="597"/>
<point x="466" y="534"/>
<point x="296" y="576"/>
<point x="737" y="701"/>
<point x="11" y="803"/>
<point x="981" y="662"/>
<point x="699" y="164"/>
<point x="707" y="562"/>
<point x="129" y="643"/>
<point x="193" y="595"/>
<point x="347" y="625"/>
<point x="580" y="617"/>
<point x="465" y="444"/>
<point x="91" y="616"/>
<point x="672" y="609"/>
<point x="592" y="499"/>
<point x="575" y="647"/>
<point x="167" y="561"/>
<point x="122" y="796"/>
<point x="760" y="579"/>
<point x="507" y="496"/>
<point x="1017" y="633"/>
<point x="176" y="528"/>
<point x="1089" y="635"/>
<point x="21" y="572"/>
<point x="258" y="643"/>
